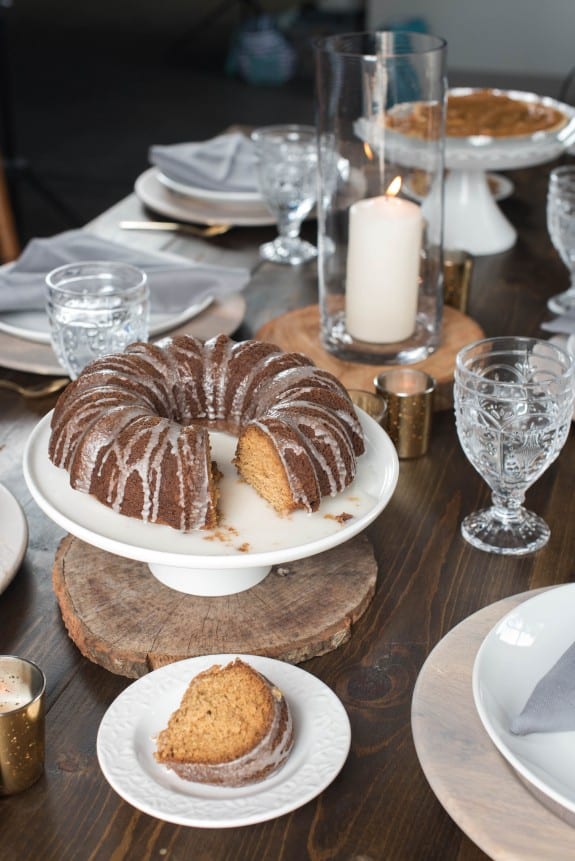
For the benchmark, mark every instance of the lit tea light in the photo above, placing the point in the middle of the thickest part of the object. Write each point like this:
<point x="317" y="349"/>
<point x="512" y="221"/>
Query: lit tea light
<point x="382" y="281"/>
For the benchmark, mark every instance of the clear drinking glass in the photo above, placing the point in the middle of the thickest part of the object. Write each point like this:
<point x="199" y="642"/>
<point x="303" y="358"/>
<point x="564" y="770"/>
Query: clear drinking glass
<point x="561" y="226"/>
<point x="513" y="406"/>
<point x="94" y="309"/>
<point x="287" y="176"/>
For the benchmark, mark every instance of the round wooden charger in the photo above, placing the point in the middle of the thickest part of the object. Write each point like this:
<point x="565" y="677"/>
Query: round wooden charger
<point x="507" y="818"/>
<point x="122" y="618"/>
<point x="298" y="331"/>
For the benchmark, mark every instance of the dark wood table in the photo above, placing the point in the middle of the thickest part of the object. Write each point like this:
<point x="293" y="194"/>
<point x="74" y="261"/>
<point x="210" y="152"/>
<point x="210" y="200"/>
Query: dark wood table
<point x="380" y="806"/>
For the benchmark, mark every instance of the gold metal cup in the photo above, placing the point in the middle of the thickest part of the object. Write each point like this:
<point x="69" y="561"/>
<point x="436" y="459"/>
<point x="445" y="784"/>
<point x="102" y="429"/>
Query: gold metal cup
<point x="371" y="403"/>
<point x="22" y="696"/>
<point x="457" y="271"/>
<point x="408" y="394"/>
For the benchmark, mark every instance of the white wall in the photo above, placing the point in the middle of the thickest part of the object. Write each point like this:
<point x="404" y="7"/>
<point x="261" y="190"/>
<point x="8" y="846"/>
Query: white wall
<point x="528" y="37"/>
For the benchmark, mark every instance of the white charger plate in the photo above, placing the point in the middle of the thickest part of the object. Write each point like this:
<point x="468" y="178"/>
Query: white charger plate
<point x="514" y="656"/>
<point x="13" y="537"/>
<point x="209" y="193"/>
<point x="126" y="743"/>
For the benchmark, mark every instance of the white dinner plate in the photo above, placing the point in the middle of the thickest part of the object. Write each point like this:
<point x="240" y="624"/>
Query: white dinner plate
<point x="514" y="656"/>
<point x="209" y="193"/>
<point x="13" y="537"/>
<point x="158" y="197"/>
<point x="126" y="743"/>
<point x="33" y="325"/>
<point x="223" y="316"/>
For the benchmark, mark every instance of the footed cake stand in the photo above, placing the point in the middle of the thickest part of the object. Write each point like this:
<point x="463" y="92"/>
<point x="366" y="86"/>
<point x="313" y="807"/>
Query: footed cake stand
<point x="251" y="537"/>
<point x="473" y="221"/>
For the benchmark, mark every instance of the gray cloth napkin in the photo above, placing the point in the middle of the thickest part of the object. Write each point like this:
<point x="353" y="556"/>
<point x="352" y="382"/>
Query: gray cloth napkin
<point x="224" y="163"/>
<point x="551" y="706"/>
<point x="174" y="285"/>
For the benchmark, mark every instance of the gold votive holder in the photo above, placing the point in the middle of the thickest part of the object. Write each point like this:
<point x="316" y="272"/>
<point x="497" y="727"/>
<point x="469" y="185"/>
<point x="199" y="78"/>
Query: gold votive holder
<point x="22" y="707"/>
<point x="408" y="394"/>
<point x="457" y="271"/>
<point x="371" y="403"/>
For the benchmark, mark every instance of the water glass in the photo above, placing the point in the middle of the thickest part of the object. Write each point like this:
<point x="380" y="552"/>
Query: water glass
<point x="561" y="227"/>
<point x="513" y="405"/>
<point x="95" y="308"/>
<point x="287" y="178"/>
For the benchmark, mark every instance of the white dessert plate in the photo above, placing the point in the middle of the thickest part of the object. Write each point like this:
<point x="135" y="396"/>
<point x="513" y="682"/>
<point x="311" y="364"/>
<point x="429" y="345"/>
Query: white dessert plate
<point x="514" y="656"/>
<point x="126" y="743"/>
<point x="157" y="196"/>
<point x="208" y="193"/>
<point x="251" y="536"/>
<point x="33" y="325"/>
<point x="13" y="537"/>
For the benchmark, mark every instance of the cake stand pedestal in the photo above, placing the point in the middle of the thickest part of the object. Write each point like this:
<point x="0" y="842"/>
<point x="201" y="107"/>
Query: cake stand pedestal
<point x="124" y="620"/>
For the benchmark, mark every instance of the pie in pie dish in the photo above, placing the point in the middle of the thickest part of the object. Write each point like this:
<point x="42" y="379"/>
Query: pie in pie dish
<point x="486" y="112"/>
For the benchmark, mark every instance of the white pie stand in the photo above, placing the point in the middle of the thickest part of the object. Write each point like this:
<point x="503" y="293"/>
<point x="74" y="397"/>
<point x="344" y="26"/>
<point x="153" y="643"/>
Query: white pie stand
<point x="251" y="537"/>
<point x="472" y="220"/>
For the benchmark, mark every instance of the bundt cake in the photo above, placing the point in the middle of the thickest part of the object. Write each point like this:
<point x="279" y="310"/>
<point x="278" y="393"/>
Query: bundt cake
<point x="132" y="429"/>
<point x="232" y="727"/>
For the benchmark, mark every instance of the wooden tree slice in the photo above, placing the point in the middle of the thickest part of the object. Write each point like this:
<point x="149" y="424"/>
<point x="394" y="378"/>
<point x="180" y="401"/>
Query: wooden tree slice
<point x="298" y="330"/>
<point x="122" y="618"/>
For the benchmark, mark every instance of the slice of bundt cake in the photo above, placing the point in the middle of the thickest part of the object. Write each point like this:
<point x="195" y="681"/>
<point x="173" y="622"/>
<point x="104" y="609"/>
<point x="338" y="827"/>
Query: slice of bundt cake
<point x="233" y="727"/>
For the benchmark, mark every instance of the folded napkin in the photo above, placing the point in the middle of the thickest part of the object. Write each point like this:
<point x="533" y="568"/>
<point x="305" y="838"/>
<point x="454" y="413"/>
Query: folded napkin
<point x="551" y="706"/>
<point x="174" y="284"/>
<point x="224" y="163"/>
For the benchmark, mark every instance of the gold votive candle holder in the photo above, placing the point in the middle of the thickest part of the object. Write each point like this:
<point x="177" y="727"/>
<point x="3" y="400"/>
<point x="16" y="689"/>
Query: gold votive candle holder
<point x="22" y="709"/>
<point x="371" y="403"/>
<point x="408" y="394"/>
<point x="457" y="271"/>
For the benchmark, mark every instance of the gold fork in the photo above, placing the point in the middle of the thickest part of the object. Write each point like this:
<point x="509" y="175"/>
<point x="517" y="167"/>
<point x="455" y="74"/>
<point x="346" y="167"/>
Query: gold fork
<point x="41" y="390"/>
<point x="177" y="227"/>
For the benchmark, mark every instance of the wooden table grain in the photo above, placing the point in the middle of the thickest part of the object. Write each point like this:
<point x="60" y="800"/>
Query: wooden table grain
<point x="380" y="807"/>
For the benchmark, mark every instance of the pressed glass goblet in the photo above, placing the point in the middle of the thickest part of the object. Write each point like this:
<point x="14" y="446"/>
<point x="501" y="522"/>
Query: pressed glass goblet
<point x="287" y="176"/>
<point x="561" y="226"/>
<point x="513" y="406"/>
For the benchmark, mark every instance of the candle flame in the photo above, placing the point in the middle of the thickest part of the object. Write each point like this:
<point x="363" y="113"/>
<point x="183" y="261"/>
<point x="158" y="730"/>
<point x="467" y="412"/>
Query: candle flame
<point x="394" y="187"/>
<point x="368" y="151"/>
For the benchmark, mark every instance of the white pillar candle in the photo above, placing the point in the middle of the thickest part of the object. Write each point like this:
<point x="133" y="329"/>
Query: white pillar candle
<point x="383" y="269"/>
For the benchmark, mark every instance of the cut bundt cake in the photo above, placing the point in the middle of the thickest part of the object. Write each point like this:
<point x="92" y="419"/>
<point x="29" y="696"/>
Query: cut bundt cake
<point x="133" y="428"/>
<point x="232" y="727"/>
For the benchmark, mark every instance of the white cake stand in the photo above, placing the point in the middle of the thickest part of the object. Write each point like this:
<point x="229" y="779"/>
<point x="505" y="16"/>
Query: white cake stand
<point x="251" y="537"/>
<point x="473" y="221"/>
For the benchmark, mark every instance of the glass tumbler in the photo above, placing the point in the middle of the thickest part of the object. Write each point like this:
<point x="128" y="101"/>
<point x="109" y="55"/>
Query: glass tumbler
<point x="95" y="308"/>
<point x="380" y="101"/>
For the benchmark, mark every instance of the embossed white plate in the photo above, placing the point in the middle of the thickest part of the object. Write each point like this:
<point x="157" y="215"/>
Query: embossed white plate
<point x="126" y="745"/>
<point x="13" y="536"/>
